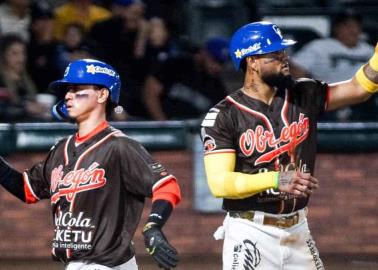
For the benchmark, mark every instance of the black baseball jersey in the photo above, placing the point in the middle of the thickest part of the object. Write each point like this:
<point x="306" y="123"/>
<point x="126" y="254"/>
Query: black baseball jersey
<point x="276" y="137"/>
<point x="97" y="190"/>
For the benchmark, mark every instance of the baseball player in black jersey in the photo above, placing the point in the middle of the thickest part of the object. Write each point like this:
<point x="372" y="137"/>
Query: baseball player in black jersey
<point x="260" y="147"/>
<point x="97" y="180"/>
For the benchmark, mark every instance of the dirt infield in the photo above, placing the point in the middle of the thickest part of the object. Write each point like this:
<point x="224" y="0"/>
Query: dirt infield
<point x="197" y="263"/>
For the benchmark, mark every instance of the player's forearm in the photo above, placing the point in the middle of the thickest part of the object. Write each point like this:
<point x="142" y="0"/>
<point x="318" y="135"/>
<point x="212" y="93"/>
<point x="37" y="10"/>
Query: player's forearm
<point x="234" y="185"/>
<point x="12" y="180"/>
<point x="164" y="199"/>
<point x="224" y="182"/>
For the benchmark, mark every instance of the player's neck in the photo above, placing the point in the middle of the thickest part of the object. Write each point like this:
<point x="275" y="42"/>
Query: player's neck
<point x="259" y="91"/>
<point x="86" y="125"/>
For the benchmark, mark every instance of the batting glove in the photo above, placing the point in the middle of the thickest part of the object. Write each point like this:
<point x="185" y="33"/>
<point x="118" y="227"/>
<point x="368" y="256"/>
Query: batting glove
<point x="158" y="247"/>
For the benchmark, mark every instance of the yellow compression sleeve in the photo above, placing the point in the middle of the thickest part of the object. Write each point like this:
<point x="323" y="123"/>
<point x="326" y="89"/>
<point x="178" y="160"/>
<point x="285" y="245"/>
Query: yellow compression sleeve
<point x="224" y="182"/>
<point x="364" y="81"/>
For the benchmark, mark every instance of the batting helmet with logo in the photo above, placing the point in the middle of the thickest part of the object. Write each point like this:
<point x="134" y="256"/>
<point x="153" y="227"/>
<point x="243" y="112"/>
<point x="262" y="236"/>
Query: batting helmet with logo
<point x="86" y="71"/>
<point x="255" y="39"/>
<point x="89" y="71"/>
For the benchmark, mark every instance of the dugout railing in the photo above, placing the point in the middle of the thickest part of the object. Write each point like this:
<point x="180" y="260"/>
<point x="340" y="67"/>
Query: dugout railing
<point x="178" y="135"/>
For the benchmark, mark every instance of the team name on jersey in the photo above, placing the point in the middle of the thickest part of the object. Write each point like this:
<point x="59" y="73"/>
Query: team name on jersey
<point x="260" y="139"/>
<point x="75" y="181"/>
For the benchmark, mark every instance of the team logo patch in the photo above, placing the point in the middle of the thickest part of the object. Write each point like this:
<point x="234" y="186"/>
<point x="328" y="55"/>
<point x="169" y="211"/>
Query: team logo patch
<point x="209" y="143"/>
<point x="66" y="71"/>
<point x="157" y="167"/>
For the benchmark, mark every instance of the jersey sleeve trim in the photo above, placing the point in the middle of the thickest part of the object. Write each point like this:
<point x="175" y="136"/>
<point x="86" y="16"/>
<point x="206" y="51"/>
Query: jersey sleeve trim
<point x="162" y="181"/>
<point x="169" y="191"/>
<point x="30" y="196"/>
<point x="221" y="151"/>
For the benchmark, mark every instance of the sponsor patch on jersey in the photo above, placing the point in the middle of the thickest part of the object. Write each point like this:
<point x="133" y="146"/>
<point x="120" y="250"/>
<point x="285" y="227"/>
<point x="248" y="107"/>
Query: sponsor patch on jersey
<point x="209" y="143"/>
<point x="157" y="167"/>
<point x="210" y="118"/>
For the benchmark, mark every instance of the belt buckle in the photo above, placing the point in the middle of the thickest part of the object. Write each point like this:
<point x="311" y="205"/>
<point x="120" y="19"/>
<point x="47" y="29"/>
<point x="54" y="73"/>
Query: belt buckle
<point x="282" y="222"/>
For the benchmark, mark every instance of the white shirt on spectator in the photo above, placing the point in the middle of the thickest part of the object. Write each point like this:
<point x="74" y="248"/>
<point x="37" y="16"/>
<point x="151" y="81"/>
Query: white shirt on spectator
<point x="12" y="24"/>
<point x="331" y="61"/>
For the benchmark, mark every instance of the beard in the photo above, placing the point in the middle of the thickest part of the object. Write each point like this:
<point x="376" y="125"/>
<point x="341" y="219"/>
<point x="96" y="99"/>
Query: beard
<point x="278" y="80"/>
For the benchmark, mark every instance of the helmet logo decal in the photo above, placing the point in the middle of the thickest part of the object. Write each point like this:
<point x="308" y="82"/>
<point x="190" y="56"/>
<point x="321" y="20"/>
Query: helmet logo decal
<point x="66" y="71"/>
<point x="92" y="69"/>
<point x="277" y="30"/>
<point x="240" y="53"/>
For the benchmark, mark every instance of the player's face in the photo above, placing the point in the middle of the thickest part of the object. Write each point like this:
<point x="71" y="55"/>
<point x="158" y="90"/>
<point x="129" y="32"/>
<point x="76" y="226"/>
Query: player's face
<point x="275" y="69"/>
<point x="81" y="100"/>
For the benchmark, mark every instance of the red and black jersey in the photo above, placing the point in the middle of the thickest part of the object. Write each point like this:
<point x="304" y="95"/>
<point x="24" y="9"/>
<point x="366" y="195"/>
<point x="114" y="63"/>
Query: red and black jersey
<point x="97" y="189"/>
<point x="276" y="137"/>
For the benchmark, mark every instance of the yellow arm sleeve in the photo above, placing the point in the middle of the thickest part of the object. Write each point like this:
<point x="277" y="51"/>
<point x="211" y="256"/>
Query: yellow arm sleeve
<point x="224" y="182"/>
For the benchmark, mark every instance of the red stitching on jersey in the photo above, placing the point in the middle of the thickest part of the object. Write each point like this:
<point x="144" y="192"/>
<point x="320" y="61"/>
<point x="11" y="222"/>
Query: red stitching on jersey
<point x="66" y="158"/>
<point x="86" y="152"/>
<point x="256" y="113"/>
<point x="30" y="196"/>
<point x="253" y="112"/>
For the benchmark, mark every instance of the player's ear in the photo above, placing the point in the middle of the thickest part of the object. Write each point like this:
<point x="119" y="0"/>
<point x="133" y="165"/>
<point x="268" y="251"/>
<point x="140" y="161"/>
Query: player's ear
<point x="104" y="95"/>
<point x="251" y="63"/>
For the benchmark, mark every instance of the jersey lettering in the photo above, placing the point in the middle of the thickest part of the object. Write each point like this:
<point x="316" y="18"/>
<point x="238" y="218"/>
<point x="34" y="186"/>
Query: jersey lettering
<point x="75" y="181"/>
<point x="259" y="139"/>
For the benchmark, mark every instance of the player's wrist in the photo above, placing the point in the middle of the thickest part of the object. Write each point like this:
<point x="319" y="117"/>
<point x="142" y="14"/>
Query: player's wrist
<point x="367" y="84"/>
<point x="148" y="226"/>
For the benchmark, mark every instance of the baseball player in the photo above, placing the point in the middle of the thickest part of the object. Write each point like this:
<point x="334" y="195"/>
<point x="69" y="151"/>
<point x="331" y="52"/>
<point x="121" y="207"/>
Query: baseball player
<point x="259" y="151"/>
<point x="97" y="180"/>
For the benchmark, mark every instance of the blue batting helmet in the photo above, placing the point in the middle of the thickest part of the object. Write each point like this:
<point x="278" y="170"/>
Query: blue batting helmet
<point x="89" y="71"/>
<point x="255" y="39"/>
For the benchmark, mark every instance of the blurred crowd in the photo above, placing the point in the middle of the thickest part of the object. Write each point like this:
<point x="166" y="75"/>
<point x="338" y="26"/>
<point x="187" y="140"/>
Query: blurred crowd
<point x="164" y="75"/>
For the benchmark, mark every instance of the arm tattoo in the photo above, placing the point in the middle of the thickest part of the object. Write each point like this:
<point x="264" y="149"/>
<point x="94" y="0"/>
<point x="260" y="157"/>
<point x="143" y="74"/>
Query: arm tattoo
<point x="285" y="178"/>
<point x="371" y="74"/>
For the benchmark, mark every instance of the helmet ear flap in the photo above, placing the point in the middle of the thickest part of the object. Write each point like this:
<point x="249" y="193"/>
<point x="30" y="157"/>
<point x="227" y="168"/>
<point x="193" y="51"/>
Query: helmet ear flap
<point x="59" y="111"/>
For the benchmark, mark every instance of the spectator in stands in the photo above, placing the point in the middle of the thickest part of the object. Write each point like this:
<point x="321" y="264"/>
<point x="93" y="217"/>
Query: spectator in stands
<point x="335" y="58"/>
<point x="42" y="47"/>
<point x="160" y="44"/>
<point x="187" y="87"/>
<point x="123" y="40"/>
<point x="72" y="47"/>
<point x="82" y="12"/>
<point x="15" y="18"/>
<point x="17" y="90"/>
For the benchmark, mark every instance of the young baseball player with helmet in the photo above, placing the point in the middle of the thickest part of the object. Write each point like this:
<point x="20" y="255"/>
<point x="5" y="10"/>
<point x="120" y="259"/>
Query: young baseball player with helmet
<point x="260" y="147"/>
<point x="97" y="180"/>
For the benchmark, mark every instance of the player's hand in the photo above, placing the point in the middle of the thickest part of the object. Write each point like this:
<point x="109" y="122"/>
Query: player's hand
<point x="297" y="183"/>
<point x="158" y="247"/>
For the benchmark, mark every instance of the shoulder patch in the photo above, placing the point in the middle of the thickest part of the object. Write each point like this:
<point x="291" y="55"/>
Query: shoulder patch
<point x="209" y="143"/>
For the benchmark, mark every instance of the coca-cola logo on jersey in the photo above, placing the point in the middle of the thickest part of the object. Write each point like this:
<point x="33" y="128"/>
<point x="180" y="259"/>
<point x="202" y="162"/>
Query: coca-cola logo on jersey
<point x="260" y="139"/>
<point x="69" y="220"/>
<point x="75" y="181"/>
